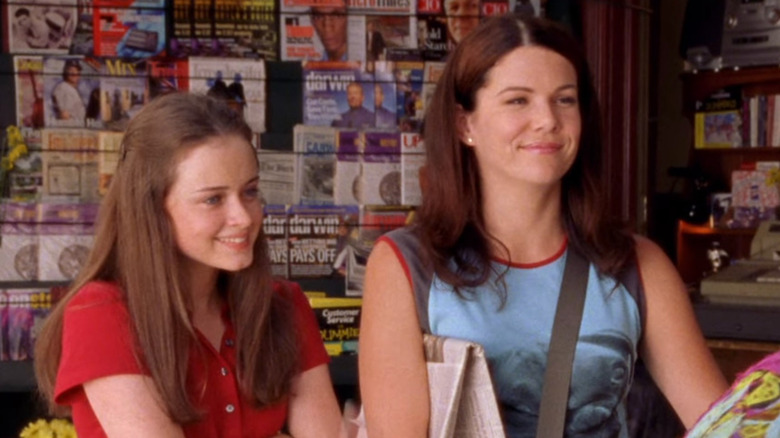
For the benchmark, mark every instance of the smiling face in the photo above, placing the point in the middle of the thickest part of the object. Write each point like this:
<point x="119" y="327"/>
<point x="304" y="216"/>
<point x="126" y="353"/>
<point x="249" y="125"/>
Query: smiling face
<point x="214" y="205"/>
<point x="526" y="123"/>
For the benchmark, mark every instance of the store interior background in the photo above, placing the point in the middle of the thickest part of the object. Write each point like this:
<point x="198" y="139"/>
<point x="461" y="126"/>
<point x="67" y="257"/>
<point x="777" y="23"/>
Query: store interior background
<point x="670" y="134"/>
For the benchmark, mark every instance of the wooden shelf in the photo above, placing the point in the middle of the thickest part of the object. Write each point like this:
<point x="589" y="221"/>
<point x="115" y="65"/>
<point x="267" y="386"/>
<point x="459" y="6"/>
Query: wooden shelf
<point x="753" y="80"/>
<point x="694" y="240"/>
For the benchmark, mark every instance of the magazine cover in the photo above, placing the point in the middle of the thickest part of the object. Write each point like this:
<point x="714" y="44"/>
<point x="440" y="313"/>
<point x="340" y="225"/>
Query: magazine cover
<point x="381" y="174"/>
<point x="129" y="28"/>
<point x="109" y="143"/>
<point x="203" y="42"/>
<point x="83" y="42"/>
<point x="66" y="233"/>
<point x="246" y="29"/>
<point x="121" y="97"/>
<point x="339" y="322"/>
<point x="315" y="148"/>
<point x="28" y="78"/>
<point x="385" y="96"/>
<point x="431" y="74"/>
<point x="241" y="82"/>
<point x="70" y="165"/>
<point x="181" y="32"/>
<point x="40" y="26"/>
<point x="412" y="160"/>
<point x="375" y="220"/>
<point x="348" y="167"/>
<point x="71" y="91"/>
<point x="317" y="234"/>
<point x="275" y="230"/>
<point x="25" y="180"/>
<point x="337" y="94"/>
<point x="321" y="30"/>
<point x="409" y="87"/>
<point x="26" y="310"/>
<point x="19" y="249"/>
<point x="167" y="76"/>
<point x="278" y="176"/>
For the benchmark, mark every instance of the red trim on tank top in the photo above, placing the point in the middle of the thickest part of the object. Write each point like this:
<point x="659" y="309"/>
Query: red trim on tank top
<point x="546" y="261"/>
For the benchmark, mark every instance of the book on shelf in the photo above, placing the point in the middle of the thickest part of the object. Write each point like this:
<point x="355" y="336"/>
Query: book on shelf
<point x="717" y="120"/>
<point x="315" y="148"/>
<point x="275" y="231"/>
<point x="129" y="28"/>
<point x="39" y="26"/>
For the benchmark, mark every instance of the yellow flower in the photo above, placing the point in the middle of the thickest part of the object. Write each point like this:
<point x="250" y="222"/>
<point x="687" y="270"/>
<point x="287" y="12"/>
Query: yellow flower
<point x="57" y="428"/>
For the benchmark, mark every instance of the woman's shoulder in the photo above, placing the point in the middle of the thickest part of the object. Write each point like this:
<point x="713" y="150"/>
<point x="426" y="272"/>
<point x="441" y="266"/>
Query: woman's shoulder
<point x="97" y="293"/>
<point x="290" y="292"/>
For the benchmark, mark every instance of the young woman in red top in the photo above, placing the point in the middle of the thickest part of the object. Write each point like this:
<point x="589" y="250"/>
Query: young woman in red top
<point x="174" y="326"/>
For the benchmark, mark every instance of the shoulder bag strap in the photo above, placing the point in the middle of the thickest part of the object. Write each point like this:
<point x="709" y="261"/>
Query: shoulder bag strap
<point x="560" y="357"/>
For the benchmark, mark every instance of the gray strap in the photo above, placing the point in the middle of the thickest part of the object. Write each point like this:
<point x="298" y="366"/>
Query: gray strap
<point x="560" y="357"/>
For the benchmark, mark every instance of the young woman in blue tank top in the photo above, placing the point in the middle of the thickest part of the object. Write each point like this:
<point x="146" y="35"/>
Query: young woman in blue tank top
<point x="512" y="182"/>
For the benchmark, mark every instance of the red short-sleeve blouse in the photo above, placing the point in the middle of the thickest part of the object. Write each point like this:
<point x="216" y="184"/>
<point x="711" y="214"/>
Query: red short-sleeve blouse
<point x="97" y="342"/>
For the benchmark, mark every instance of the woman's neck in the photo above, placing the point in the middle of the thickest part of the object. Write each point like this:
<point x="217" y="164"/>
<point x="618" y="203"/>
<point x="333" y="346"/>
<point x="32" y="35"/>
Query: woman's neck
<point x="529" y="224"/>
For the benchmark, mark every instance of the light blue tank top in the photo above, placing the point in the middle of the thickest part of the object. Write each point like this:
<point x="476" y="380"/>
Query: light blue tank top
<point x="516" y="338"/>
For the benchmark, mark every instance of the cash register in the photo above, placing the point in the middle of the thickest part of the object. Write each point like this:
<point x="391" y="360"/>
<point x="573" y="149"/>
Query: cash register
<point x="754" y="281"/>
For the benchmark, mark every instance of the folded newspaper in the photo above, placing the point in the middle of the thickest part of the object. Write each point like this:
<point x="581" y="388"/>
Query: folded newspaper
<point x="463" y="402"/>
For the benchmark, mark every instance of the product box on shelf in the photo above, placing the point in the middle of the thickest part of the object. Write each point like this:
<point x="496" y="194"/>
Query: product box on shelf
<point x="339" y="321"/>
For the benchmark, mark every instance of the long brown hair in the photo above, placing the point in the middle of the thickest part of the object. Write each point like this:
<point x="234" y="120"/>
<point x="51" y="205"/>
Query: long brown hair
<point x="450" y="219"/>
<point x="134" y="246"/>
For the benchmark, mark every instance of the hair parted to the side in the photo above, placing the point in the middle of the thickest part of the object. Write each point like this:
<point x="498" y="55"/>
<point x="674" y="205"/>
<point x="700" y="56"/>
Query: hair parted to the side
<point x="450" y="220"/>
<point x="135" y="247"/>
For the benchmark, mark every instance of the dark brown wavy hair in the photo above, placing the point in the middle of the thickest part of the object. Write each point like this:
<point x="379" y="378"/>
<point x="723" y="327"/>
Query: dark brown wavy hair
<point x="450" y="221"/>
<point x="135" y="247"/>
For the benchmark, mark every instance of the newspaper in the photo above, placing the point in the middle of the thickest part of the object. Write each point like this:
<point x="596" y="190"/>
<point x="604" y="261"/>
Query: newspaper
<point x="463" y="402"/>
